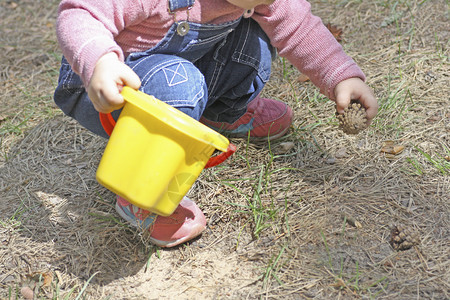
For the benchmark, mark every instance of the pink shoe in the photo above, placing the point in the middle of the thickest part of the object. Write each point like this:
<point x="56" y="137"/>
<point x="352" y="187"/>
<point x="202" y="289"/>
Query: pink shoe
<point x="266" y="119"/>
<point x="184" y="224"/>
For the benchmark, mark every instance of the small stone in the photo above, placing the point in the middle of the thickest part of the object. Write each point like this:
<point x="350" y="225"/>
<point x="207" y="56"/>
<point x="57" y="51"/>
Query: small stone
<point x="27" y="292"/>
<point x="284" y="147"/>
<point x="331" y="160"/>
<point x="341" y="153"/>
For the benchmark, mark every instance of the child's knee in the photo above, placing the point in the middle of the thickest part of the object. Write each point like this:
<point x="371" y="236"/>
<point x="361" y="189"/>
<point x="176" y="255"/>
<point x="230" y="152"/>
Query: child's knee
<point x="171" y="79"/>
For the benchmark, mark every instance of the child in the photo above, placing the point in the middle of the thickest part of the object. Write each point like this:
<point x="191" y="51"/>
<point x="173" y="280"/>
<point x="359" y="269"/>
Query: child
<point x="208" y="58"/>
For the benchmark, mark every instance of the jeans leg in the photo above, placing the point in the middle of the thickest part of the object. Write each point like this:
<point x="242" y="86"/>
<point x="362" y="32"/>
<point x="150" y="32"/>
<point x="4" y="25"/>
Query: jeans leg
<point x="169" y="78"/>
<point x="72" y="98"/>
<point x="236" y="71"/>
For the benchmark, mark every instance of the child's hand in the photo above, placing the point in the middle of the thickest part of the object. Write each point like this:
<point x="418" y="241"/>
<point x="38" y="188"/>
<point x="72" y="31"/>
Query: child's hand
<point x="110" y="75"/>
<point x="355" y="89"/>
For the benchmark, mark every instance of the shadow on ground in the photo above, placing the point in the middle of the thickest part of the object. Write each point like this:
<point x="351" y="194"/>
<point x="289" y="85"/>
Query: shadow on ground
<point x="66" y="221"/>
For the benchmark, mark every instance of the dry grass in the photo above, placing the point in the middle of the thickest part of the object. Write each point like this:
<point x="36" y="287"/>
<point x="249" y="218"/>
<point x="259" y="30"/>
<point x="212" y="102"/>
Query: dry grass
<point x="280" y="224"/>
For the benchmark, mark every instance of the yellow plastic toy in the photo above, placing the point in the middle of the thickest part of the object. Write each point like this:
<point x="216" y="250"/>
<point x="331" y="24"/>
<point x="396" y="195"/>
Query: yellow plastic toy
<point x="155" y="152"/>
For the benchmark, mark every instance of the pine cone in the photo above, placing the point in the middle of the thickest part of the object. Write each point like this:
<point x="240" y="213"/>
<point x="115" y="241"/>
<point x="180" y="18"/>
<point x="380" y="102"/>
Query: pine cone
<point x="403" y="238"/>
<point x="354" y="118"/>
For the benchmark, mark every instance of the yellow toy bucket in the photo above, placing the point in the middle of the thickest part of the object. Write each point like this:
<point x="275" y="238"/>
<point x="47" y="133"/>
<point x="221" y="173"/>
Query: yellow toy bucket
<point x="155" y="152"/>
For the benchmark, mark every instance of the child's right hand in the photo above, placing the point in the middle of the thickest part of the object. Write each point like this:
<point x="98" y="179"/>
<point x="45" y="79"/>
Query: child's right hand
<point x="110" y="75"/>
<point x="355" y="88"/>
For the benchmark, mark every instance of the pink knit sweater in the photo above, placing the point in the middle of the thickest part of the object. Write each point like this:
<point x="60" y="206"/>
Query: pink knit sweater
<point x="87" y="30"/>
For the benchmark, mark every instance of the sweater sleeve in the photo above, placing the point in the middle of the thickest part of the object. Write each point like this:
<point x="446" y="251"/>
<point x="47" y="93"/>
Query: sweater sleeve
<point x="302" y="38"/>
<point x="86" y="30"/>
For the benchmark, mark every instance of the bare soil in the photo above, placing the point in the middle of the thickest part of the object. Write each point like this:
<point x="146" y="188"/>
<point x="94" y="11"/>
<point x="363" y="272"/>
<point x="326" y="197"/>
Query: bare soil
<point x="306" y="217"/>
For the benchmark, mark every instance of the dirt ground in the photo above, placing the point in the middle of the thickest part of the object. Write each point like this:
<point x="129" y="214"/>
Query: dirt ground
<point x="308" y="217"/>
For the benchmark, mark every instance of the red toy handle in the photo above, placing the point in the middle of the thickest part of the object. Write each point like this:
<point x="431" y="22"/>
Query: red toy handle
<point x="108" y="124"/>
<point x="218" y="159"/>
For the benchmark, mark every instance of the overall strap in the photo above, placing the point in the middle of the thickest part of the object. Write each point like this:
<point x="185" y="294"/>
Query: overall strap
<point x="177" y="4"/>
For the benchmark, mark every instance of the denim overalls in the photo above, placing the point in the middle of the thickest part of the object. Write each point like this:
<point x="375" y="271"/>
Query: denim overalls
<point x="213" y="70"/>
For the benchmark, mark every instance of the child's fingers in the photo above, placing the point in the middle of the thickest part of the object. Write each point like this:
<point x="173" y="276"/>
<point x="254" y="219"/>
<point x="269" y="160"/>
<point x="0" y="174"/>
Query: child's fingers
<point x="356" y="89"/>
<point x="111" y="99"/>
<point x="105" y="96"/>
<point x="108" y="78"/>
<point x="130" y="78"/>
<point x="371" y="105"/>
<point x="106" y="86"/>
<point x="342" y="101"/>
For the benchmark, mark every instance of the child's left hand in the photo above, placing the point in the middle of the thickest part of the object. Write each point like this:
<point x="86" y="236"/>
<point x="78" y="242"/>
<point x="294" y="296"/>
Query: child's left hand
<point x="356" y="89"/>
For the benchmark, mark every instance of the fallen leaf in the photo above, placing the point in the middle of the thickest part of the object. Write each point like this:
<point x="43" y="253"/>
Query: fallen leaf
<point x="335" y="31"/>
<point x="352" y="221"/>
<point x="302" y="78"/>
<point x="339" y="283"/>
<point x="48" y="278"/>
<point x="388" y="264"/>
<point x="398" y="149"/>
<point x="389" y="147"/>
<point x="44" y="278"/>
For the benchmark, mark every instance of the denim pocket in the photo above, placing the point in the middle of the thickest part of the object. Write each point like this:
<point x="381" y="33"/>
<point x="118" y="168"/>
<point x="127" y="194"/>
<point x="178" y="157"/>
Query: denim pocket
<point x="206" y="43"/>
<point x="249" y="46"/>
<point x="254" y="49"/>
